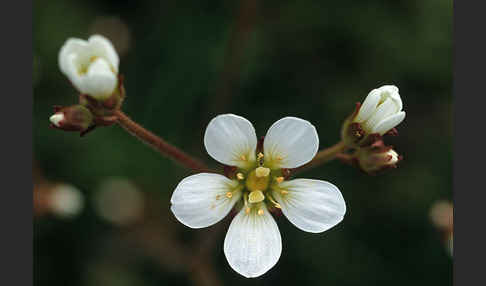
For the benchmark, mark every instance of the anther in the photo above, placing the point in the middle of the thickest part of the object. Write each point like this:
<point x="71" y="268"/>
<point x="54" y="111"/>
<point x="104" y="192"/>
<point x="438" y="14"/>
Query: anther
<point x="260" y="212"/>
<point x="229" y="195"/>
<point x="243" y="157"/>
<point x="279" y="158"/>
<point x="262" y="172"/>
<point x="247" y="210"/>
<point x="218" y="197"/>
<point x="284" y="192"/>
<point x="279" y="179"/>
<point x="240" y="176"/>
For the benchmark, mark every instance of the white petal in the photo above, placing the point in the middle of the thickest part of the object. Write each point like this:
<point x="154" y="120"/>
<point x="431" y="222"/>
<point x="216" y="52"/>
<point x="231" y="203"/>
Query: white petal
<point x="253" y="244"/>
<point x="290" y="142"/>
<point x="99" y="81"/>
<point x="101" y="46"/>
<point x="71" y="46"/>
<point x="76" y="55"/>
<point x="383" y="111"/>
<point x="228" y="137"/>
<point x="368" y="106"/>
<point x="311" y="205"/>
<point x="390" y="122"/>
<point x="392" y="92"/>
<point x="72" y="71"/>
<point x="199" y="200"/>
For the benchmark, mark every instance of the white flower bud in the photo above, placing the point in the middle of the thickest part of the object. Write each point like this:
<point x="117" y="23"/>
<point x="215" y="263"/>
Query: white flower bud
<point x="381" y="111"/>
<point x="72" y="118"/>
<point x="92" y="66"/>
<point x="377" y="157"/>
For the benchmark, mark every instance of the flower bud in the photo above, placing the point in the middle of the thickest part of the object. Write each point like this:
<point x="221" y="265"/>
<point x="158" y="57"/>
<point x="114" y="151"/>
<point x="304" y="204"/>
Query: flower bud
<point x="377" y="157"/>
<point x="91" y="66"/>
<point x="380" y="112"/>
<point x="72" y="118"/>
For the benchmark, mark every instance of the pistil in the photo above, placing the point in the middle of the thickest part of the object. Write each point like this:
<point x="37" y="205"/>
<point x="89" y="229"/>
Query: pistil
<point x="258" y="179"/>
<point x="256" y="196"/>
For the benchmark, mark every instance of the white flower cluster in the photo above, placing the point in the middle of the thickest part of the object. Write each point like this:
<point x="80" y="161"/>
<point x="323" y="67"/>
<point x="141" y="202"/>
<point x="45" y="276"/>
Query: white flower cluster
<point x="259" y="184"/>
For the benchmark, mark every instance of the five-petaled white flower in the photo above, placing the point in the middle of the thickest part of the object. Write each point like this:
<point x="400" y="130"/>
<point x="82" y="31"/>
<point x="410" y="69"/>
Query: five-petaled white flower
<point x="92" y="66"/>
<point x="253" y="244"/>
<point x="381" y="110"/>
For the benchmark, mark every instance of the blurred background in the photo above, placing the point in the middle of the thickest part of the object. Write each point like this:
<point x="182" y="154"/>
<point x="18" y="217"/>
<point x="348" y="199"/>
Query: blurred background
<point x="101" y="202"/>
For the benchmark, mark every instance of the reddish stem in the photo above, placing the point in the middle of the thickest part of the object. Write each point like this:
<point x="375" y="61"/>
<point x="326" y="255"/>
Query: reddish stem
<point x="159" y="144"/>
<point x="322" y="157"/>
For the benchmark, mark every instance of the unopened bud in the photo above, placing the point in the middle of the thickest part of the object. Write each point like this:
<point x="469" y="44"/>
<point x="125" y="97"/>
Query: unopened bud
<point x="379" y="113"/>
<point x="91" y="65"/>
<point x="377" y="157"/>
<point x="72" y="118"/>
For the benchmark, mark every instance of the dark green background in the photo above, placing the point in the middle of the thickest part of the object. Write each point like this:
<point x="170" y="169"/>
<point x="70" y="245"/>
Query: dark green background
<point x="310" y="59"/>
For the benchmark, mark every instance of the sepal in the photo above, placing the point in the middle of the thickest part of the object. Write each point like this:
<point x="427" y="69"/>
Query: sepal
<point x="72" y="118"/>
<point x="376" y="158"/>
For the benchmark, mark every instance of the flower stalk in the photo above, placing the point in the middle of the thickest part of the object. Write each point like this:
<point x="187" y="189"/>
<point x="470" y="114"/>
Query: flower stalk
<point x="159" y="144"/>
<point x="323" y="157"/>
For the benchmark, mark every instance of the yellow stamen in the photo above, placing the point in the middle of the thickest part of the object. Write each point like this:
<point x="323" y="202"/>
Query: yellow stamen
<point x="240" y="176"/>
<point x="247" y="210"/>
<point x="260" y="212"/>
<point x="277" y="205"/>
<point x="243" y="157"/>
<point x="261" y="172"/>
<point x="229" y="195"/>
<point x="284" y="192"/>
<point x="278" y="158"/>
<point x="279" y="179"/>
<point x="256" y="196"/>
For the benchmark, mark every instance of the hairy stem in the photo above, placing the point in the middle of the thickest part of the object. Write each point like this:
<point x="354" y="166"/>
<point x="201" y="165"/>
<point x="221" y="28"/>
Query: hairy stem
<point x="322" y="157"/>
<point x="159" y="144"/>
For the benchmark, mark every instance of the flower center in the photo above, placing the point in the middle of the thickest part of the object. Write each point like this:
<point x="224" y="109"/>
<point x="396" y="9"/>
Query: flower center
<point x="256" y="183"/>
<point x="258" y="179"/>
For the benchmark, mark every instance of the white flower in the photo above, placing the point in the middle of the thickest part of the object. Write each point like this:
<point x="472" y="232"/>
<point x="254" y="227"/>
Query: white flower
<point x="253" y="244"/>
<point x="92" y="66"/>
<point x="381" y="110"/>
